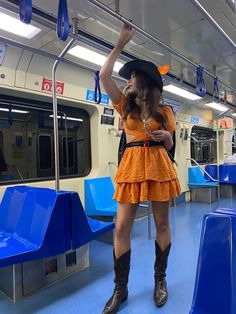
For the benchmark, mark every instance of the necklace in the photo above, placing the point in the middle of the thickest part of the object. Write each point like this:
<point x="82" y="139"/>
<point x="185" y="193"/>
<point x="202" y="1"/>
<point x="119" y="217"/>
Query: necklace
<point x="146" y="126"/>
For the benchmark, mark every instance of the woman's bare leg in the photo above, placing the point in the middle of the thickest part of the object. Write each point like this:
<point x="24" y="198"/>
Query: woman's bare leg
<point x="124" y="222"/>
<point x="161" y="218"/>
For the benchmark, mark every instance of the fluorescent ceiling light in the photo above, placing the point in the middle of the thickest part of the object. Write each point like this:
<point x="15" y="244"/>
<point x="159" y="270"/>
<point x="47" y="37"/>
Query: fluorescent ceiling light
<point x="92" y="56"/>
<point x="67" y="118"/>
<point x="181" y="92"/>
<point x="217" y="106"/>
<point x="234" y="114"/>
<point x="15" y="26"/>
<point x="13" y="110"/>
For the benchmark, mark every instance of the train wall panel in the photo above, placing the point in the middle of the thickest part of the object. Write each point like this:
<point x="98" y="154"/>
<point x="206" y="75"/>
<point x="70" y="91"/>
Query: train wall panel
<point x="73" y="77"/>
<point x="21" y="70"/>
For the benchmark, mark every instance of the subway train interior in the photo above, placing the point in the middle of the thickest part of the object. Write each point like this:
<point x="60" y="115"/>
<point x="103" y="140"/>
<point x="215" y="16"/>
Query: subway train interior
<point x="59" y="140"/>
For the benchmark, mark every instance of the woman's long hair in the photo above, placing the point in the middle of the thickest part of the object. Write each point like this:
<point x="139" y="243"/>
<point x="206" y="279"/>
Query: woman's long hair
<point x="149" y="93"/>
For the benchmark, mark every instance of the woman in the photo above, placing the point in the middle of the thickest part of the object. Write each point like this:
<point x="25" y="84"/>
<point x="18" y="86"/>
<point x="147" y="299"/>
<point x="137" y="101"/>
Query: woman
<point x="145" y="172"/>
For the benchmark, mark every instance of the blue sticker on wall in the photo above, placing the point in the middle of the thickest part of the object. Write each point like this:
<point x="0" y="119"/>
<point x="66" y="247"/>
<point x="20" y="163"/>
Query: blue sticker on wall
<point x="194" y="120"/>
<point x="90" y="96"/>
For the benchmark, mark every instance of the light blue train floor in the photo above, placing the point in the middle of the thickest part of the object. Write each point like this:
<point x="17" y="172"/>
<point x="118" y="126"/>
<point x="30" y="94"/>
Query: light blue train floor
<point x="87" y="291"/>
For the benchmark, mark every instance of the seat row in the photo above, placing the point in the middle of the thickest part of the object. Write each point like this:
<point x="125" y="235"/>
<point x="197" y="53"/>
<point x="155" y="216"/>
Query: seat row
<point x="40" y="222"/>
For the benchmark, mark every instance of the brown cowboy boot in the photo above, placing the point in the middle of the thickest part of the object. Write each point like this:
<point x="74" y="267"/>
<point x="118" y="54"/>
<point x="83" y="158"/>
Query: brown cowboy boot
<point x="120" y="294"/>
<point x="160" y="291"/>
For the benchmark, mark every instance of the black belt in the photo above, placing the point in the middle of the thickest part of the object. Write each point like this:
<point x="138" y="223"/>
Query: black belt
<point x="150" y="144"/>
<point x="145" y="144"/>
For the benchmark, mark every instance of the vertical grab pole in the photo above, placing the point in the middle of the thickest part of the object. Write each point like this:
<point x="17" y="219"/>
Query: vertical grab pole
<point x="54" y="95"/>
<point x="218" y="147"/>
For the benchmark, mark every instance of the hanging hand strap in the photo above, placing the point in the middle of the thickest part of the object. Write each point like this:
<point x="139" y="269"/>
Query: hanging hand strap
<point x="97" y="95"/>
<point x="25" y="11"/>
<point x="200" y="85"/>
<point x="63" y="25"/>
<point x="216" y="93"/>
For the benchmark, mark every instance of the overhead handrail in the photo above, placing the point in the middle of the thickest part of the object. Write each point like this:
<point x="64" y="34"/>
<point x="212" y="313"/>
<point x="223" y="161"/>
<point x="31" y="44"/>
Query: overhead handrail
<point x="200" y="84"/>
<point x="39" y="17"/>
<point x="25" y="11"/>
<point x="97" y="90"/>
<point x="63" y="24"/>
<point x="203" y="170"/>
<point x="119" y="17"/>
<point x="213" y="21"/>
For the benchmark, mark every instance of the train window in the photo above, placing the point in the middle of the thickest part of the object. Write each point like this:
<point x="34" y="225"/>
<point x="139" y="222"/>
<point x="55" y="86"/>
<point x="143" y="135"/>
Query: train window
<point x="203" y="145"/>
<point x="45" y="152"/>
<point x="28" y="139"/>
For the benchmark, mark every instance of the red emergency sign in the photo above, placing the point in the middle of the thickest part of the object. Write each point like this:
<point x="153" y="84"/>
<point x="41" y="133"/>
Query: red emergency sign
<point x="47" y="86"/>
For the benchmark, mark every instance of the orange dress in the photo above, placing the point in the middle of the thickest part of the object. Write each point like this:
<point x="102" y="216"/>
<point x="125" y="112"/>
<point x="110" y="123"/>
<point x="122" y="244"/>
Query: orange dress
<point x="145" y="173"/>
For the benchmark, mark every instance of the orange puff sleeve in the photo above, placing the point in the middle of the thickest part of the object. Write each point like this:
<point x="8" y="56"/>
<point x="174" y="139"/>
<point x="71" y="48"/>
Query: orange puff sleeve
<point x="120" y="105"/>
<point x="170" y="119"/>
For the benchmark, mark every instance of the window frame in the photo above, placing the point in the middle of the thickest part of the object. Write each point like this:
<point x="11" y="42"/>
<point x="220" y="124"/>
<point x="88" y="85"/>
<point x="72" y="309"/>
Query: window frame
<point x="5" y="100"/>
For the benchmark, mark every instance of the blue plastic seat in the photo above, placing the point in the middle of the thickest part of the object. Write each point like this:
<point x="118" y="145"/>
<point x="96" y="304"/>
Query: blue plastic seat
<point x="10" y="208"/>
<point x="98" y="197"/>
<point x="228" y="174"/>
<point x="85" y="229"/>
<point x="215" y="286"/>
<point x="32" y="224"/>
<point x="196" y="179"/>
<point x="40" y="222"/>
<point x="212" y="170"/>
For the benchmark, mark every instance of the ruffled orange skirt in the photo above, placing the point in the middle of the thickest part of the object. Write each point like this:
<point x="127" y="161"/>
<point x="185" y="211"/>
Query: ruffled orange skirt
<point x="147" y="190"/>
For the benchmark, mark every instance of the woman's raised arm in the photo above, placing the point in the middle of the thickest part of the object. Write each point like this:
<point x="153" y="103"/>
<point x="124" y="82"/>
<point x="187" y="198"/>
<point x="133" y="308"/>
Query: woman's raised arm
<point x="106" y="71"/>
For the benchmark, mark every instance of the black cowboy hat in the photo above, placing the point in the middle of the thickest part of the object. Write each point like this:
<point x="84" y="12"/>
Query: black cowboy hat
<point x="147" y="67"/>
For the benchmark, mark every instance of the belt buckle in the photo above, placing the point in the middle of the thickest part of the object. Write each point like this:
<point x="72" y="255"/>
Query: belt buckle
<point x="146" y="143"/>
